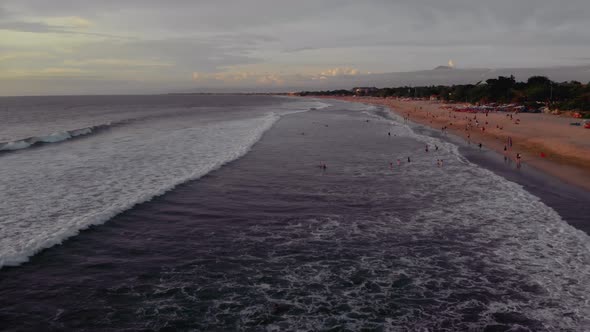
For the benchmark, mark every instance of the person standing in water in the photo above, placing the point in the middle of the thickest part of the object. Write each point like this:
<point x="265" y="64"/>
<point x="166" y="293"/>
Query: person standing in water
<point x="409" y="160"/>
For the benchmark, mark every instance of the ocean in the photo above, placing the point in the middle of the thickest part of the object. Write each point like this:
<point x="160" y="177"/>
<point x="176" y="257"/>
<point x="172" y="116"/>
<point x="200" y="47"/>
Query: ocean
<point x="190" y="212"/>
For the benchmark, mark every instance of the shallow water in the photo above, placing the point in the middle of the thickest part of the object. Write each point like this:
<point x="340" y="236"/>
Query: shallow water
<point x="271" y="241"/>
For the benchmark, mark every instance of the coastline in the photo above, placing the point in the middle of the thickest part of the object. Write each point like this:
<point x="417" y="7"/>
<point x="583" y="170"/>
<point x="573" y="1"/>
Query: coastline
<point x="267" y="223"/>
<point x="566" y="156"/>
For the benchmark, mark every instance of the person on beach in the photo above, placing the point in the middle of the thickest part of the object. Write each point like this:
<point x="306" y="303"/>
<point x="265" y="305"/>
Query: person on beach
<point x="518" y="157"/>
<point x="480" y="145"/>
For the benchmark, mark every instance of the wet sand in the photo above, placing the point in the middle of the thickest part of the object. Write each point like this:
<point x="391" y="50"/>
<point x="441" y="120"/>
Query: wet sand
<point x="566" y="148"/>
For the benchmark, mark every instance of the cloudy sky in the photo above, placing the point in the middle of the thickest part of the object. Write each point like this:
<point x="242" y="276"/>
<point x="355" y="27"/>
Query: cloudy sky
<point x="127" y="46"/>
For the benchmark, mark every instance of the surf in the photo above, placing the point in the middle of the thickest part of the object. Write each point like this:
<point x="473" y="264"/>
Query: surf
<point x="53" y="193"/>
<point x="55" y="137"/>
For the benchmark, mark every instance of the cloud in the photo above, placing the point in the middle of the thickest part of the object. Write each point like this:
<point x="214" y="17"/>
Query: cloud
<point x="340" y="71"/>
<point x="59" y="25"/>
<point x="269" y="42"/>
<point x="240" y="78"/>
<point x="266" y="78"/>
<point x="272" y="79"/>
<point x="111" y="62"/>
<point x="35" y="27"/>
<point x="59" y="71"/>
<point x="23" y="55"/>
<point x="225" y="76"/>
<point x="78" y="22"/>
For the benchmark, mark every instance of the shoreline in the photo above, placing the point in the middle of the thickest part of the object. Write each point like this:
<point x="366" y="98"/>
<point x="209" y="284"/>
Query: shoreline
<point x="563" y="159"/>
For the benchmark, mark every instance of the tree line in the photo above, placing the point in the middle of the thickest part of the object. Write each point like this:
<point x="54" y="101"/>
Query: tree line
<point x="536" y="92"/>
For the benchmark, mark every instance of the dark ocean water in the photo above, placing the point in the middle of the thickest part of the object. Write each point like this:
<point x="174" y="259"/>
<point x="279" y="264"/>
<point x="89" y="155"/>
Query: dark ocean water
<point x="271" y="241"/>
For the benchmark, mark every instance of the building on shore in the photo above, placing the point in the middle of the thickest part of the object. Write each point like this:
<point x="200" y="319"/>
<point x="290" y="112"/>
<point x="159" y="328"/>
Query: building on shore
<point x="363" y="91"/>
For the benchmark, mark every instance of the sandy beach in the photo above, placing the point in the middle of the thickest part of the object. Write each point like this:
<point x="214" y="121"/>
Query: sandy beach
<point x="545" y="141"/>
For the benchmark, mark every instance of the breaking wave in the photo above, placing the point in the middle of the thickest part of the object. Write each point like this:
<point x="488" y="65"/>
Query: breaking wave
<point x="93" y="180"/>
<point x="56" y="137"/>
<point x="68" y="209"/>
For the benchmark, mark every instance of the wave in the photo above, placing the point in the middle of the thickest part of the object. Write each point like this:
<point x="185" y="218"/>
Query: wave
<point x="384" y="113"/>
<point x="47" y="233"/>
<point x="56" y="137"/>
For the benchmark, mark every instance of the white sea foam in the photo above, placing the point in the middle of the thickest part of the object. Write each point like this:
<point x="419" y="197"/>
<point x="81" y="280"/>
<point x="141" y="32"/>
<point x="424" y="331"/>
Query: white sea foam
<point x="16" y="145"/>
<point x="530" y="238"/>
<point x="55" y="137"/>
<point x="50" y="194"/>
